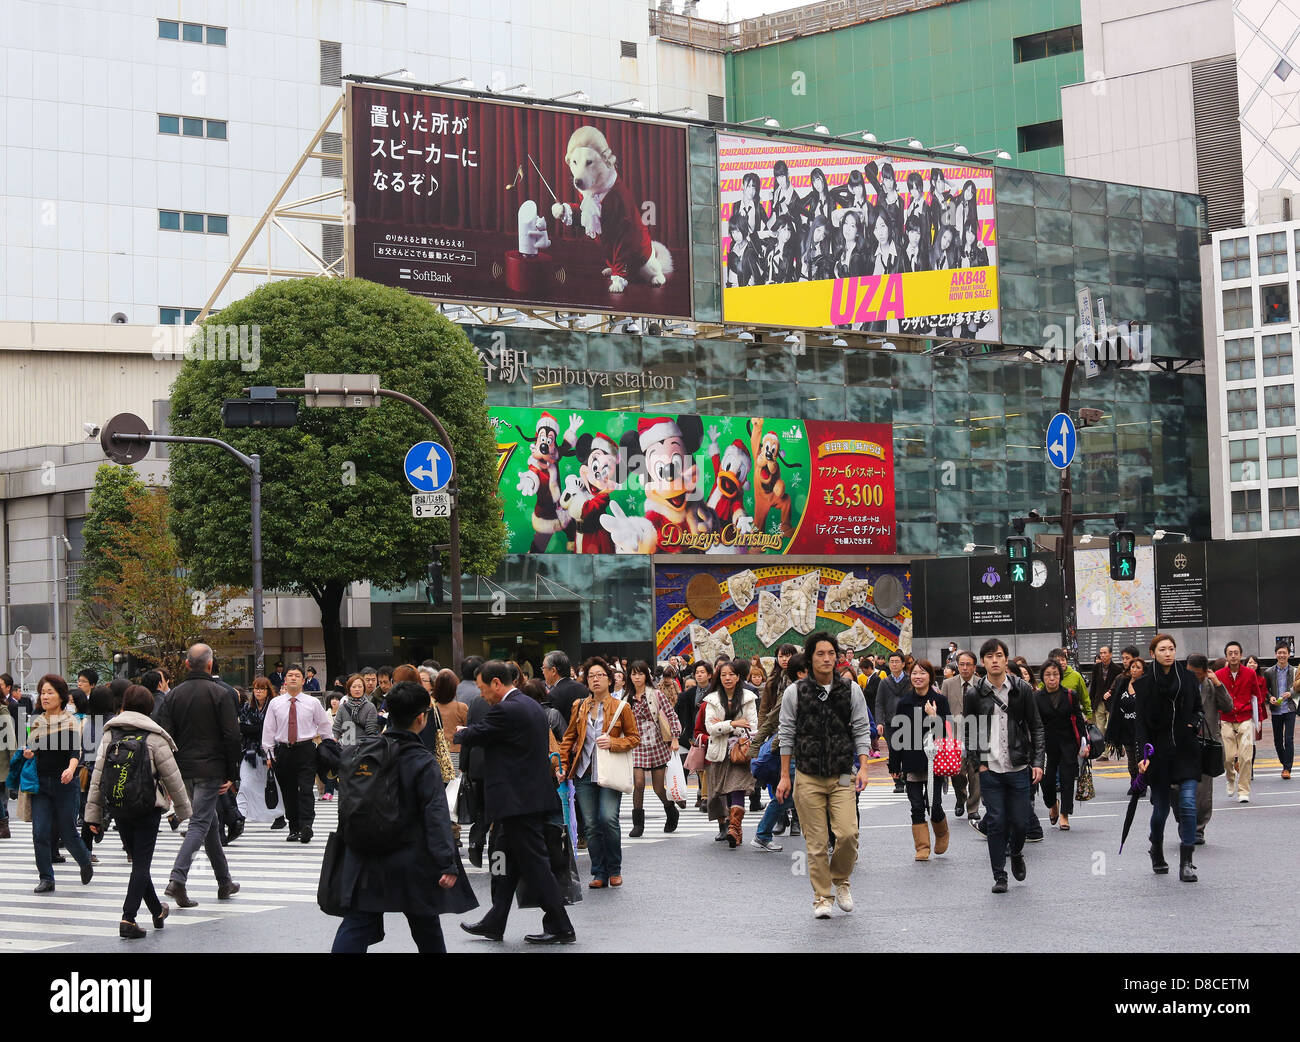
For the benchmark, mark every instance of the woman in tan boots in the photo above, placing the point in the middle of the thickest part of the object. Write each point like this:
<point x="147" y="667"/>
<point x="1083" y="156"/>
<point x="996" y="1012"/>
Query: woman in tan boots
<point x="921" y="712"/>
<point x="731" y="713"/>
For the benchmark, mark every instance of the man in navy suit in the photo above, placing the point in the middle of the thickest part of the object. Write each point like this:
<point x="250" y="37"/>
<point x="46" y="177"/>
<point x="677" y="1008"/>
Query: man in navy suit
<point x="519" y="795"/>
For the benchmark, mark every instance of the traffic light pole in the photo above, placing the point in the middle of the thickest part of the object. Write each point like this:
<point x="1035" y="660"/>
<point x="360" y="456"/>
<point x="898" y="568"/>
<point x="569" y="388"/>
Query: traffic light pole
<point x="453" y="553"/>
<point x="1065" y="548"/>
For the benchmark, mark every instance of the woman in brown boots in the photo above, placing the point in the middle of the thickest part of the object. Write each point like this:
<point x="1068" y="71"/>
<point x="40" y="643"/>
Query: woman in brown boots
<point x="921" y="712"/>
<point x="731" y="715"/>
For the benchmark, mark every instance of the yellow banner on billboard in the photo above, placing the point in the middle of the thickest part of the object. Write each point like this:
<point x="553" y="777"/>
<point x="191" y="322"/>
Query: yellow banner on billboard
<point x="866" y="298"/>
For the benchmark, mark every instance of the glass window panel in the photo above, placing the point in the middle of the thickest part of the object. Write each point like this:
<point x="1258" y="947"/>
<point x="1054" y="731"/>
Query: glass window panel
<point x="1052" y="191"/>
<point x="1278" y="356"/>
<point x="1090" y="230"/>
<point x="1056" y="295"/>
<point x="1124" y="235"/>
<point x="217" y="224"/>
<point x="1055" y="260"/>
<point x="169" y="220"/>
<point x="910" y="370"/>
<point x="169" y="124"/>
<point x="169" y="316"/>
<point x="1088" y="196"/>
<point x="1274" y="304"/>
<point x="191" y="127"/>
<point x="1016" y="256"/>
<point x="192" y="222"/>
<point x="1054" y="226"/>
<point x="1127" y="269"/>
<point x="192" y="33"/>
<point x="870" y="404"/>
<point x="949" y="376"/>
<point x="1284" y="507"/>
<point x="867" y="367"/>
<point x="1282" y="457"/>
<point x="1123" y="200"/>
<point x="1014" y="186"/>
<point x="1015" y="222"/>
<point x="1159" y="238"/>
<point x="217" y="129"/>
<point x="1238" y="309"/>
<point x="1019" y="292"/>
<point x="1243" y="412"/>
<point x="1188" y="211"/>
<point x="168" y="30"/>
<point x="911" y="406"/>
<point x="1246" y="511"/>
<point x="216" y="36"/>
<point x="819" y="365"/>
<point x="1092" y="267"/>
<point x="191" y="315"/>
<point x="1157" y="206"/>
<point x="821" y="401"/>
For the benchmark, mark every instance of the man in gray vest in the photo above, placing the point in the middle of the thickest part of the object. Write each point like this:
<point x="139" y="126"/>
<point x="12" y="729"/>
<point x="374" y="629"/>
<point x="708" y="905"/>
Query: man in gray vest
<point x="825" y="728"/>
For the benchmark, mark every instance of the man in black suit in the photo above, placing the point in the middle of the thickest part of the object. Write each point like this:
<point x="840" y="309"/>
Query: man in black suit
<point x="563" y="691"/>
<point x="519" y="795"/>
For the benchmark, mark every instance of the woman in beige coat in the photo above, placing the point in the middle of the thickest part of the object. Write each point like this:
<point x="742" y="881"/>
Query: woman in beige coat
<point x="732" y="714"/>
<point x="139" y="834"/>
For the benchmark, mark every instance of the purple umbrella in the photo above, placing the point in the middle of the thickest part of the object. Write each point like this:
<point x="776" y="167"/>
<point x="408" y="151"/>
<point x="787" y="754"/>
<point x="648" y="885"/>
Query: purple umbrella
<point x="1136" y="790"/>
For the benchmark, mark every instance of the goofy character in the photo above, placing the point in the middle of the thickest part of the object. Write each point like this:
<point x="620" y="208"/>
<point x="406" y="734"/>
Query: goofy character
<point x="727" y="500"/>
<point x="542" y="478"/>
<point x="668" y="447"/>
<point x="769" y="492"/>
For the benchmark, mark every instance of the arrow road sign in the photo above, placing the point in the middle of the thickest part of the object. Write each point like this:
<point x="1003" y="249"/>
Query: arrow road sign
<point x="1062" y="441"/>
<point x="427" y="466"/>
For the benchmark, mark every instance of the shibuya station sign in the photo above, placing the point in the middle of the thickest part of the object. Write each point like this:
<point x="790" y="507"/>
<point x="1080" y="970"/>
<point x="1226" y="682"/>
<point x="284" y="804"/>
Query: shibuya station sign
<point x="510" y="365"/>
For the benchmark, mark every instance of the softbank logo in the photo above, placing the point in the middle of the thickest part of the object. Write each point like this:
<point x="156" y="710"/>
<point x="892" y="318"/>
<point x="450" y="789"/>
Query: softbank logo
<point x="92" y="995"/>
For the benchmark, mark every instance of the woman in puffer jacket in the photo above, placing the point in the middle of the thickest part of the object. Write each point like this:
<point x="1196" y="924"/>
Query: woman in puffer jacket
<point x="139" y="833"/>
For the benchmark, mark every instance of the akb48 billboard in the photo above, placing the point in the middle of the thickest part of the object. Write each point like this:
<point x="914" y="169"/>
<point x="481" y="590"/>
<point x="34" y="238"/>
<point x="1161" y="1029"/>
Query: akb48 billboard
<point x="613" y="482"/>
<point x="821" y="237"/>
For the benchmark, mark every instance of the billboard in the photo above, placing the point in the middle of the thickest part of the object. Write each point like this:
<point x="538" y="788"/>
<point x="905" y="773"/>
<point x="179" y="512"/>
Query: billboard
<point x="463" y="199"/>
<point x="618" y="482"/>
<point x="822" y="237"/>
<point x="706" y="610"/>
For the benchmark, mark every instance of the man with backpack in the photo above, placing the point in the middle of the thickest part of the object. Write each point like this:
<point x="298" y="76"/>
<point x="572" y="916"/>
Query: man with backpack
<point x="396" y="830"/>
<point x="200" y="716"/>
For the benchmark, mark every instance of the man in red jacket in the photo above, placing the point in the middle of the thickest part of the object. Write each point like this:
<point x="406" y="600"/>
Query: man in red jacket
<point x="1237" y="725"/>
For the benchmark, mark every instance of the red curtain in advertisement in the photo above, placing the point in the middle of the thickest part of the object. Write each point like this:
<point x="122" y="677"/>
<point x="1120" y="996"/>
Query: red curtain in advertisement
<point x="651" y="159"/>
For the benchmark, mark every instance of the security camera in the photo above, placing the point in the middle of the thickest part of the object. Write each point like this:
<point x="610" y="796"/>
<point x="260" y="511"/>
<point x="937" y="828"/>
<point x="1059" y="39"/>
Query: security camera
<point x="1034" y="515"/>
<point x="91" y="429"/>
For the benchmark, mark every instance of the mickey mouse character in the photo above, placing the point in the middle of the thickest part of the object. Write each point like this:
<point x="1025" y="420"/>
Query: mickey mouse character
<point x="769" y="493"/>
<point x="599" y="477"/>
<point x="731" y="471"/>
<point x="542" y="478"/>
<point x="668" y="447"/>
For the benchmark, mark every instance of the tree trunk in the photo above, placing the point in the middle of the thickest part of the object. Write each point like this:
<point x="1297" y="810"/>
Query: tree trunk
<point x="329" y="599"/>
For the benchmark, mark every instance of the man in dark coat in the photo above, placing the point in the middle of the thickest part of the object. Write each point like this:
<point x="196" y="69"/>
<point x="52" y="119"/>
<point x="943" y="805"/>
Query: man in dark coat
<point x="562" y="690"/>
<point x="401" y="880"/>
<point x="519" y="796"/>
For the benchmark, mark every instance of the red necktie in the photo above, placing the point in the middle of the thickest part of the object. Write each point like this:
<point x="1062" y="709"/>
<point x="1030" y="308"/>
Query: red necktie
<point x="293" y="719"/>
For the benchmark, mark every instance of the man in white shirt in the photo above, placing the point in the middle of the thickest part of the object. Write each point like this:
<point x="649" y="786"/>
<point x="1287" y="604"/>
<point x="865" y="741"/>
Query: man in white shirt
<point x="294" y="721"/>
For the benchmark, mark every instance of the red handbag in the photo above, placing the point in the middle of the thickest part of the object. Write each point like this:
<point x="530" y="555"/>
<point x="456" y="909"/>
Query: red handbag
<point x="947" y="755"/>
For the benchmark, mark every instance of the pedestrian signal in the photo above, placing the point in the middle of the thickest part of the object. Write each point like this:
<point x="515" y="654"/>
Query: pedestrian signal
<point x="1123" y="555"/>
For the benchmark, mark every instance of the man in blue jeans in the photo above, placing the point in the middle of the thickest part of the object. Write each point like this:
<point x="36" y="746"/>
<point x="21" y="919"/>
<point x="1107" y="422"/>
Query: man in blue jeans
<point x="1003" y="729"/>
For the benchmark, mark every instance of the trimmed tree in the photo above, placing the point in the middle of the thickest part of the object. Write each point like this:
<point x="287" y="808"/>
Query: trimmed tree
<point x="335" y="502"/>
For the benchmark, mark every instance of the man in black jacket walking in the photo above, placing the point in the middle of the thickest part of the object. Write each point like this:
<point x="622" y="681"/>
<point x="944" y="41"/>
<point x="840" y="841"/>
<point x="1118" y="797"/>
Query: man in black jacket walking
<point x="519" y="795"/>
<point x="562" y="690"/>
<point x="1004" y="731"/>
<point x="891" y="689"/>
<point x="200" y="717"/>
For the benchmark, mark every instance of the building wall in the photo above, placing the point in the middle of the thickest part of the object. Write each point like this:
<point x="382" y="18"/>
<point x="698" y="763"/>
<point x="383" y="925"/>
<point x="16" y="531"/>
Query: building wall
<point x="1267" y="36"/>
<point x="944" y="74"/>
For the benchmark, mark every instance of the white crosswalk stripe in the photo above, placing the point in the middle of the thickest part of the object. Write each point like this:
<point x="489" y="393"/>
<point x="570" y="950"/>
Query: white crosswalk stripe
<point x="272" y="874"/>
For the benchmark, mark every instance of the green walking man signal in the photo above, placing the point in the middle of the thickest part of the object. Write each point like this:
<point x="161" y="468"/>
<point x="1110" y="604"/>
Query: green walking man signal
<point x="1123" y="555"/>
<point x="1018" y="547"/>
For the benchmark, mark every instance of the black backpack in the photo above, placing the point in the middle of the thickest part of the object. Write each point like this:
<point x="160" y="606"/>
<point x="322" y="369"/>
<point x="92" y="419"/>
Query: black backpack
<point x="370" y="814"/>
<point x="127" y="780"/>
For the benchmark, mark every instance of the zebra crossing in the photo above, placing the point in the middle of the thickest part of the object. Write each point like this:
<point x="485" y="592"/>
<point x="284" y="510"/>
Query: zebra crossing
<point x="271" y="873"/>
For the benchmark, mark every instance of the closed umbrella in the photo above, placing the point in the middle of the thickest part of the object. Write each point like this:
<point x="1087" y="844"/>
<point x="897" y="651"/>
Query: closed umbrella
<point x="1136" y="790"/>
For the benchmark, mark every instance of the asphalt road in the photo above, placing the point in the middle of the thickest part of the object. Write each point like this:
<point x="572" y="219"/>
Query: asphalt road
<point x="686" y="892"/>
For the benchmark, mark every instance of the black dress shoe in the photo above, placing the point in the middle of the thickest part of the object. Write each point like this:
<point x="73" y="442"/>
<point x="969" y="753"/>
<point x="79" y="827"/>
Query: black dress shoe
<point x="234" y="831"/>
<point x="959" y="810"/>
<point x="158" y="919"/>
<point x="87" y="874"/>
<point x="279" y="823"/>
<point x="1000" y="884"/>
<point x="1018" y="867"/>
<point x="305" y="836"/>
<point x="176" y="891"/>
<point x="292" y="837"/>
<point x="45" y="886"/>
<point x="225" y="891"/>
<point x="551" y="938"/>
<point x="475" y="855"/>
<point x="479" y="930"/>
<point x="129" y="931"/>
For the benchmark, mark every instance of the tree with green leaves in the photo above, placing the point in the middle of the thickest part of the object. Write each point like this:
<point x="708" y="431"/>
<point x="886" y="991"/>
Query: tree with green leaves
<point x="335" y="502"/>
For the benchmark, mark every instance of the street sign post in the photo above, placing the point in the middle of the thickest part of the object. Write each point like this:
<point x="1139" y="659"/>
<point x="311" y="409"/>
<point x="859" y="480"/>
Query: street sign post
<point x="1062" y="441"/>
<point x="431" y="504"/>
<point x="427" y="467"/>
<point x="22" y="638"/>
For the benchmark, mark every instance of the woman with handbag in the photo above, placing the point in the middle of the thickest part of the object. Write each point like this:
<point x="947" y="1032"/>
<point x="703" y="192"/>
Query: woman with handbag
<point x="55" y="744"/>
<point x="730" y="719"/>
<point x="256" y="782"/>
<point x="658" y="725"/>
<point x="922" y="712"/>
<point x="1121" y="727"/>
<point x="1168" y="718"/>
<point x="1063" y="728"/>
<point x="601" y="727"/>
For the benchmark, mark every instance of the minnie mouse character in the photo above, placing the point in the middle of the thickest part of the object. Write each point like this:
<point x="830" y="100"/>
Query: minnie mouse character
<point x="668" y="447"/>
<point x="542" y="478"/>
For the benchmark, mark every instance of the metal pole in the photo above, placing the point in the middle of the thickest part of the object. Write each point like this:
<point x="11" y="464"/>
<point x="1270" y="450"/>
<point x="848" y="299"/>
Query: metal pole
<point x="58" y="627"/>
<point x="259" y="644"/>
<point x="1065" y="554"/>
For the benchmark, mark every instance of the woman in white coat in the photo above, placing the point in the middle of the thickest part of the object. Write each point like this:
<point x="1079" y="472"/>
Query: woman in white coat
<point x="252" y="770"/>
<point x="731" y="714"/>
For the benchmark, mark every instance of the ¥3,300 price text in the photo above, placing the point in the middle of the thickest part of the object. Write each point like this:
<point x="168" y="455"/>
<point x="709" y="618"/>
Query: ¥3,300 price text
<point x="857" y="495"/>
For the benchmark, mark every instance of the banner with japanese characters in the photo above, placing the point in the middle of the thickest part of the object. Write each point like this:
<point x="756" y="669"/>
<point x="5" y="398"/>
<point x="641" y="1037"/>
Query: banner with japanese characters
<point x="495" y="202"/>
<point x="819" y="237"/>
<point x="586" y="481"/>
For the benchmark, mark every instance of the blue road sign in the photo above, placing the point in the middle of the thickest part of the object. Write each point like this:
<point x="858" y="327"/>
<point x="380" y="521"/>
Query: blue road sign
<point x="1062" y="441"/>
<point x="427" y="466"/>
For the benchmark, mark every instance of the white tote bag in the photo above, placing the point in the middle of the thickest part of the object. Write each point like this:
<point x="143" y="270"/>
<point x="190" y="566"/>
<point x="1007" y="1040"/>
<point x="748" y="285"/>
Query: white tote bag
<point x="614" y="770"/>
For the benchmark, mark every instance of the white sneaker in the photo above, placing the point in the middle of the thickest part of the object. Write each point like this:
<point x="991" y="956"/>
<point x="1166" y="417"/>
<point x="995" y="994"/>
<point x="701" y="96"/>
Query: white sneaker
<point x="1232" y="789"/>
<point x="844" y="897"/>
<point x="1243" y="798"/>
<point x="822" y="908"/>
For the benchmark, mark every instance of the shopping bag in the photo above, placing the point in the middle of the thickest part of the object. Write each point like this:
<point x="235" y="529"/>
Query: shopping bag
<point x="453" y="793"/>
<point x="675" y="780"/>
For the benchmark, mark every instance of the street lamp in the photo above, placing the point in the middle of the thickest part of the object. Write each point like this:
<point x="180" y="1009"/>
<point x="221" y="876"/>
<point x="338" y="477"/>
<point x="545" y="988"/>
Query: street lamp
<point x="817" y="128"/>
<point x="632" y="103"/>
<point x="865" y="136"/>
<point x="768" y="121"/>
<point x="1001" y="153"/>
<point x="579" y="96"/>
<point x="911" y="142"/>
<point x="956" y="147"/>
<point x="463" y="82"/>
<point x="397" y="74"/>
<point x="1161" y="535"/>
<point x="686" y="110"/>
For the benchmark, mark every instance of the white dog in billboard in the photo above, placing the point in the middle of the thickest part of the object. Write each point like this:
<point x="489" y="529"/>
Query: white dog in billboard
<point x="609" y="214"/>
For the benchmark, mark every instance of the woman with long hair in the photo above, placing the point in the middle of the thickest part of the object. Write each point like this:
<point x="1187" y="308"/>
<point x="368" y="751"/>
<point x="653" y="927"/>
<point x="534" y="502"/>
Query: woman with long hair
<point x="818" y="261"/>
<point x="731" y="712"/>
<point x="818" y="202"/>
<point x="253" y="771"/>
<point x="453" y="713"/>
<point x="1063" y="728"/>
<point x="966" y="211"/>
<point x="851" y="197"/>
<point x="783" y="257"/>
<point x="744" y="255"/>
<point x="785" y="200"/>
<point x="922" y="713"/>
<point x="853" y="256"/>
<point x="1020" y="667"/>
<point x="652" y="713"/>
<point x="750" y="205"/>
<point x="54" y="742"/>
<point x="944" y="254"/>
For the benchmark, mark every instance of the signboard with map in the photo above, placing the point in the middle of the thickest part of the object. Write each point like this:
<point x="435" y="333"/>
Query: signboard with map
<point x="1106" y="604"/>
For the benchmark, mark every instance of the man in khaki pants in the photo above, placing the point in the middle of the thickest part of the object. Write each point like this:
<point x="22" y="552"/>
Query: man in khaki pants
<point x="1237" y="726"/>
<point x="824" y="728"/>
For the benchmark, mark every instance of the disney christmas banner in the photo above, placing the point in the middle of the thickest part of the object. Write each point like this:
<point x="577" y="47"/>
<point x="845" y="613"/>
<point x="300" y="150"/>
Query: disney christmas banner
<point x="820" y="237"/>
<point x="618" y="482"/>
<point x="495" y="202"/>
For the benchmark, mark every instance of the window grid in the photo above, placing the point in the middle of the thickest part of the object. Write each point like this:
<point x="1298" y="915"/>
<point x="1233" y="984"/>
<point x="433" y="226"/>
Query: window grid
<point x="1243" y="413"/>
<point x="1274" y="304"/>
<point x="191" y="126"/>
<point x="176" y="220"/>
<point x="1238" y="309"/>
<point x="1284" y="507"/>
<point x="190" y="32"/>
<point x="1246" y="511"/>
<point x="1239" y="355"/>
<point x="1278" y="358"/>
<point x="174" y="316"/>
<point x="1272" y="253"/>
<point x="1282" y="457"/>
<point x="1243" y="459"/>
<point x="1234" y="258"/>
<point x="1279" y="405"/>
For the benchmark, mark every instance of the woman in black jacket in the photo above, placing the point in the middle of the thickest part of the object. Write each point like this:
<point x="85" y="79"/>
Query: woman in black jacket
<point x="1168" y="712"/>
<point x="921" y="712"/>
<point x="1121" y="732"/>
<point x="1063" y="727"/>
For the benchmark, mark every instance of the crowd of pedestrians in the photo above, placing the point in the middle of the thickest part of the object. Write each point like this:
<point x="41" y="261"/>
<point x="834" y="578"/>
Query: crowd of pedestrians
<point x="535" y="769"/>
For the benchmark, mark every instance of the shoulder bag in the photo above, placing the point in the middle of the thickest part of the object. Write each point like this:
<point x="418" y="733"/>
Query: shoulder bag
<point x="665" y="728"/>
<point x="614" y="770"/>
<point x="441" y="749"/>
<point x="1084" y="789"/>
<point x="1211" y="750"/>
<point x="696" y="758"/>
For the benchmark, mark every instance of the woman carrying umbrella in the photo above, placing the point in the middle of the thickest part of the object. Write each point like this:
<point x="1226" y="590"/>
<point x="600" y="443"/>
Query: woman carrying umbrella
<point x="1168" y="711"/>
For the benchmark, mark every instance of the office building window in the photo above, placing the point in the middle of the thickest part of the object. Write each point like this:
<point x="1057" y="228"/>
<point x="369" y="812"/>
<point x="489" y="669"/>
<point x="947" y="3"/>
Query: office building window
<point x="1277" y="354"/>
<point x="169" y="124"/>
<point x="1281" y="457"/>
<point x="217" y="224"/>
<point x="1049" y="44"/>
<point x="1274" y="304"/>
<point x="1239" y="358"/>
<point x="217" y="129"/>
<point x="168" y="30"/>
<point x="191" y="126"/>
<point x="1038" y="136"/>
<point x="192" y="222"/>
<point x="1245" y="511"/>
<point x="216" y="36"/>
<point x="1272" y="253"/>
<point x="1243" y="411"/>
<point x="189" y="32"/>
<point x="178" y="316"/>
<point x="1243" y="460"/>
<point x="1284" y="507"/>
<point x="1234" y="258"/>
<point x="169" y="220"/>
<point x="1238" y="310"/>
<point x="1279" y="405"/>
<point x="175" y="221"/>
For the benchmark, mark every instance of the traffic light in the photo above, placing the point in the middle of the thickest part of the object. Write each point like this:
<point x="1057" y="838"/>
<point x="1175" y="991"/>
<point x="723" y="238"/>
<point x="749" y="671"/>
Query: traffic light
<point x="433" y="585"/>
<point x="261" y="409"/>
<point x="1123" y="555"/>
<point x="1018" y="566"/>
